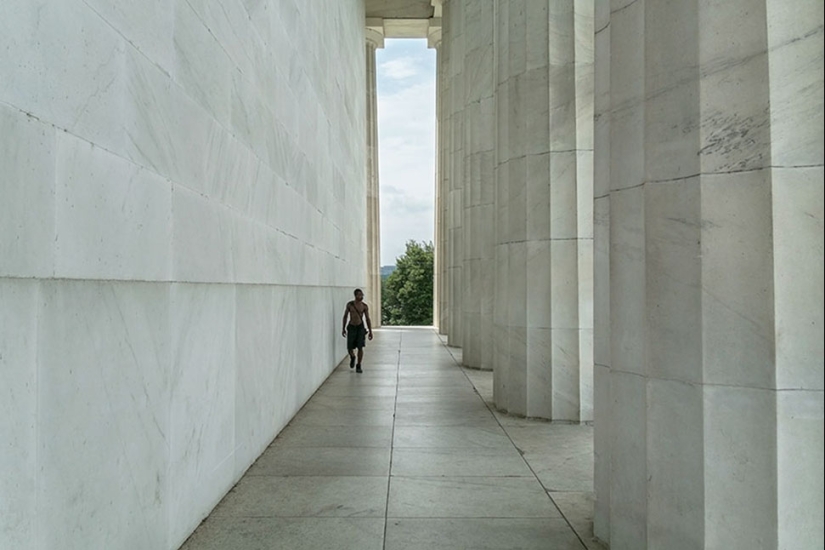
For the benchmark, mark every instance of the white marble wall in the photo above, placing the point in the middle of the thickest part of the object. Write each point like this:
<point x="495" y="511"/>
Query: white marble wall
<point x="709" y="190"/>
<point x="183" y="204"/>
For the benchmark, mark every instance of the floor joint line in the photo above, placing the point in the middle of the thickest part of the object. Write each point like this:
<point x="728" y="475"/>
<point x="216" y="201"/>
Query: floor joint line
<point x="521" y="454"/>
<point x="392" y="438"/>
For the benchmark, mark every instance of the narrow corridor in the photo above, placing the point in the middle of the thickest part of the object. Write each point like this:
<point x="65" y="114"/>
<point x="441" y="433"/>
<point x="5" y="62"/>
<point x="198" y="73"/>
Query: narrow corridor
<point x="410" y="455"/>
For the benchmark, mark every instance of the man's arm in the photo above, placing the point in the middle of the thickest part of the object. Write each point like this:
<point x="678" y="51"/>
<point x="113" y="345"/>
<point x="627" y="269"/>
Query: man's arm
<point x="369" y="322"/>
<point x="344" y="322"/>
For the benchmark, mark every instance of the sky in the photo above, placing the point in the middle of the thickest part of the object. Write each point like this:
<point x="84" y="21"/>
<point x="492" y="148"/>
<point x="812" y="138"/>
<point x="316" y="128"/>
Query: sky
<point x="406" y="144"/>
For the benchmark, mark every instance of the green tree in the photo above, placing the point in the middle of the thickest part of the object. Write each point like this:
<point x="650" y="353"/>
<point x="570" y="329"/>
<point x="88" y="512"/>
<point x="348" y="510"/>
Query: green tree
<point x="407" y="294"/>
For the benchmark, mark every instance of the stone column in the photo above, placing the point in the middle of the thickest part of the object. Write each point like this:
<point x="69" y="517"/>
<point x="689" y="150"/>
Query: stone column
<point x="479" y="189"/>
<point x="374" y="40"/>
<point x="510" y="306"/>
<point x="560" y="227"/>
<point x="710" y="420"/>
<point x="440" y="296"/>
<point x="444" y="175"/>
<point x="544" y="204"/>
<point x="453" y="47"/>
<point x="584" y="78"/>
<point x="438" y="228"/>
<point x="797" y="177"/>
<point x="601" y="272"/>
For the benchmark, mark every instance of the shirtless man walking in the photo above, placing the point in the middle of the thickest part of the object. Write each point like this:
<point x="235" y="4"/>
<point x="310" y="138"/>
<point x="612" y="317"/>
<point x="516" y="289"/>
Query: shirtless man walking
<point x="357" y="310"/>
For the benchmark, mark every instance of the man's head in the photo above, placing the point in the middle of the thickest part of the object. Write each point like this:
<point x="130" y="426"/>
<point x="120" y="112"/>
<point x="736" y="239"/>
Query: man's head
<point x="359" y="294"/>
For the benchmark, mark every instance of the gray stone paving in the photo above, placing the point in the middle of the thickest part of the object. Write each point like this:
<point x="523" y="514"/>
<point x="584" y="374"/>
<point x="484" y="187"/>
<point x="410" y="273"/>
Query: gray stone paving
<point x="409" y="455"/>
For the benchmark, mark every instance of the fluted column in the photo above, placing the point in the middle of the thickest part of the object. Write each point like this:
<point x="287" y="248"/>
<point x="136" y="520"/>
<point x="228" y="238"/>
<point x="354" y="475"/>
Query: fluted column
<point x="478" y="183"/>
<point x="602" y="424"/>
<point x="453" y="47"/>
<point x="373" y="291"/>
<point x="709" y="206"/>
<point x="438" y="228"/>
<point x="444" y="174"/>
<point x="440" y="294"/>
<point x="570" y="208"/>
<point x="544" y="203"/>
<point x="510" y="306"/>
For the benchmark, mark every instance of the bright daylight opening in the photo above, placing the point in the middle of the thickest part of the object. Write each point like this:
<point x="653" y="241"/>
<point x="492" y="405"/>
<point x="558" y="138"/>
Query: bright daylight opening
<point x="406" y="152"/>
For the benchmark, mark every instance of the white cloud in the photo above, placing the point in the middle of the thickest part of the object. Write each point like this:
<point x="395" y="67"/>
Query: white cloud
<point x="400" y="202"/>
<point x="399" y="68"/>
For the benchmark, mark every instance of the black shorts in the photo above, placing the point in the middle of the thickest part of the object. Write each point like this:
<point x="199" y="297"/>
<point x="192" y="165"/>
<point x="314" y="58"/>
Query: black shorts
<point x="356" y="335"/>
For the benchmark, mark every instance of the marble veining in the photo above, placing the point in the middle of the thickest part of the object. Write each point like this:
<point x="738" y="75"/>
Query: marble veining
<point x="178" y="180"/>
<point x="692" y="258"/>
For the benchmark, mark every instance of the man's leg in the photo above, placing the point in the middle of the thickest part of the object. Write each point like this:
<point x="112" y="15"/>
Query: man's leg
<point x="352" y="343"/>
<point x="360" y="356"/>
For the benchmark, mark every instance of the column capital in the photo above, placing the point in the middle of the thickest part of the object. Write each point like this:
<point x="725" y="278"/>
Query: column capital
<point x="374" y="32"/>
<point x="434" y="33"/>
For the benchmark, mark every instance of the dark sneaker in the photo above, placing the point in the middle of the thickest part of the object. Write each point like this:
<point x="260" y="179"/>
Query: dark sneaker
<point x="358" y="369"/>
<point x="351" y="361"/>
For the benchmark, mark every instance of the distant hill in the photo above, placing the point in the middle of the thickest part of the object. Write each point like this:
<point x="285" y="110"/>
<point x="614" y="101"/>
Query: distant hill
<point x="386" y="270"/>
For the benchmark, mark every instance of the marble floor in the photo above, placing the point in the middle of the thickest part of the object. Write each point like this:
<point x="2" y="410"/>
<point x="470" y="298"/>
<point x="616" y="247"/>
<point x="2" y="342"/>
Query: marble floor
<point x="410" y="454"/>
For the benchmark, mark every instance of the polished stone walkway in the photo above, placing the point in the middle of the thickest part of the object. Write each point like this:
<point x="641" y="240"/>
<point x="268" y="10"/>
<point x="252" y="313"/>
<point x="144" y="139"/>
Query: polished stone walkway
<point x="410" y="455"/>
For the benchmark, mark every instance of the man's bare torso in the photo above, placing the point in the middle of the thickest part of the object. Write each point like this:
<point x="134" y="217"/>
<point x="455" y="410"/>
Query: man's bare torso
<point x="356" y="312"/>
